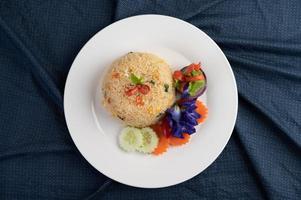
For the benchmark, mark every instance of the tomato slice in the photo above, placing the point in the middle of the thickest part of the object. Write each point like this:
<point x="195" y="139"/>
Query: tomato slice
<point x="131" y="91"/>
<point x="166" y="130"/>
<point x="157" y="127"/>
<point x="194" y="78"/>
<point x="197" y="66"/>
<point x="189" y="69"/>
<point x="192" y="67"/>
<point x="162" y="127"/>
<point x="178" y="75"/>
<point x="144" y="89"/>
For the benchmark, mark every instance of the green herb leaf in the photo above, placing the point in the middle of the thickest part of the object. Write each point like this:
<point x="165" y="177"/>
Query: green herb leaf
<point x="195" y="86"/>
<point x="196" y="72"/>
<point x="136" y="80"/>
<point x="177" y="84"/>
<point x="152" y="82"/>
<point x="166" y="87"/>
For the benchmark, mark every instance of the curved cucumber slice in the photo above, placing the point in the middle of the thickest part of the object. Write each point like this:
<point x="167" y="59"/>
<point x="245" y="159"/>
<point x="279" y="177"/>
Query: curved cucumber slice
<point x="130" y="139"/>
<point x="150" y="141"/>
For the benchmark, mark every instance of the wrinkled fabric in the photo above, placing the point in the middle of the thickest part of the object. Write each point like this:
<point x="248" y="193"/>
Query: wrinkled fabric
<point x="39" y="39"/>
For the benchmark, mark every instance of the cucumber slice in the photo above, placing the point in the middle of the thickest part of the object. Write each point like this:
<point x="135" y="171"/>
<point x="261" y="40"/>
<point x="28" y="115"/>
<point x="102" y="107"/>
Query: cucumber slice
<point x="130" y="139"/>
<point x="150" y="141"/>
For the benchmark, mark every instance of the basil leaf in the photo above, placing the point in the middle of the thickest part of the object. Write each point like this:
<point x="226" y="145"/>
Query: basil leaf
<point x="195" y="86"/>
<point x="136" y="80"/>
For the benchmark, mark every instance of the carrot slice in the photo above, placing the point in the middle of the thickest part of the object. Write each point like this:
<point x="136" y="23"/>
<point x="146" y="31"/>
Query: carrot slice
<point x="174" y="141"/>
<point x="202" y="110"/>
<point x="163" y="141"/>
<point x="162" y="145"/>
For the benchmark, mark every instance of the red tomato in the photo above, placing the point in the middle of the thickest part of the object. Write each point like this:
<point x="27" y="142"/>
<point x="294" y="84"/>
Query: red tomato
<point x="189" y="69"/>
<point x="162" y="127"/>
<point x="144" y="89"/>
<point x="157" y="128"/>
<point x="197" y="66"/>
<point x="192" y="67"/>
<point x="166" y="130"/>
<point x="131" y="91"/>
<point x="194" y="78"/>
<point x="178" y="75"/>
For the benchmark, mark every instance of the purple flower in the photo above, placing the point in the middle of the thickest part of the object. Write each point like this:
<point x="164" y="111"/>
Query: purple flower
<point x="182" y="118"/>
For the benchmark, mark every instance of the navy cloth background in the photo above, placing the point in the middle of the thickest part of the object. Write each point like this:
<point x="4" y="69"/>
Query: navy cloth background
<point x="39" y="40"/>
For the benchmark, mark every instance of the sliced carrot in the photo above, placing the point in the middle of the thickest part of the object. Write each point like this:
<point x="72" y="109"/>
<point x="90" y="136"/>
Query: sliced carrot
<point x="163" y="142"/>
<point x="174" y="141"/>
<point x="162" y="145"/>
<point x="139" y="101"/>
<point x="202" y="110"/>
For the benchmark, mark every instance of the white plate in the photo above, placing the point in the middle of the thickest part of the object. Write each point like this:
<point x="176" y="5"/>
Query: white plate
<point x="94" y="132"/>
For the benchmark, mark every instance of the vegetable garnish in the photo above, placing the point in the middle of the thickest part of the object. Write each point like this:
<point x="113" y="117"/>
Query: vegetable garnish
<point x="165" y="128"/>
<point x="192" y="67"/>
<point x="196" y="72"/>
<point x="181" y="86"/>
<point x="138" y="86"/>
<point x="150" y="141"/>
<point x="152" y="82"/>
<point x="178" y="75"/>
<point x="136" y="80"/>
<point x="182" y="118"/>
<point x="163" y="141"/>
<point x="194" y="78"/>
<point x="193" y="82"/>
<point x="144" y="140"/>
<point x="176" y="84"/>
<point x="130" y="139"/>
<point x="143" y="89"/>
<point x="139" y="101"/>
<point x="202" y="110"/>
<point x="131" y="91"/>
<point x="174" y="141"/>
<point x="166" y="87"/>
<point x="195" y="86"/>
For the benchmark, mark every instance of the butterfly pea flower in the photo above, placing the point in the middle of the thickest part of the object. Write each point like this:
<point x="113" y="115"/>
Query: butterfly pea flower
<point x="182" y="118"/>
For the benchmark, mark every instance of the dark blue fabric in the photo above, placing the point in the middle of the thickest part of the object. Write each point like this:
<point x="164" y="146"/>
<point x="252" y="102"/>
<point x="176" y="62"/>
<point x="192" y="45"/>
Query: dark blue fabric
<point x="39" y="40"/>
